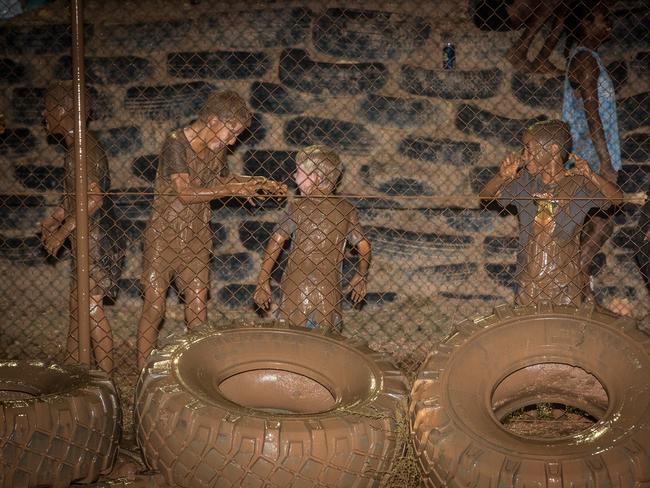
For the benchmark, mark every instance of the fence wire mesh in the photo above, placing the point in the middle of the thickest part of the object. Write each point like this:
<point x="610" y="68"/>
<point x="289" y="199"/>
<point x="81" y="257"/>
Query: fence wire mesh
<point x="421" y="101"/>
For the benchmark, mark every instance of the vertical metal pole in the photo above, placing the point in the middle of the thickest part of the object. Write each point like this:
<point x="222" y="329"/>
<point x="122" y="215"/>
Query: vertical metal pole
<point x="81" y="183"/>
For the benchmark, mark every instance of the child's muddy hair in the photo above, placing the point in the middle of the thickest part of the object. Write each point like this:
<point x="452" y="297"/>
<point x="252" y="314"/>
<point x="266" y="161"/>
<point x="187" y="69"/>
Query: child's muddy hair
<point x="323" y="162"/>
<point x="228" y="106"/>
<point x="554" y="131"/>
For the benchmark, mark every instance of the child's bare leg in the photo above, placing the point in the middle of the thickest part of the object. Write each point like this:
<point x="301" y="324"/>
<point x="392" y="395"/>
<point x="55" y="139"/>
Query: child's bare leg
<point x="595" y="232"/>
<point x="101" y="334"/>
<point x="153" y="312"/>
<point x="196" y="307"/>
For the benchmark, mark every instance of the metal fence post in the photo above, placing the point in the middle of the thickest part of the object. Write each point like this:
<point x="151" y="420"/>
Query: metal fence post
<point x="81" y="184"/>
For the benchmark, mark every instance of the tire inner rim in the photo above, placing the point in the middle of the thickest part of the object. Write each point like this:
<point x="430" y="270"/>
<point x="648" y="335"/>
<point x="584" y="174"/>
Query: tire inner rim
<point x="277" y="391"/>
<point x="23" y="380"/>
<point x="277" y="372"/>
<point x="549" y="400"/>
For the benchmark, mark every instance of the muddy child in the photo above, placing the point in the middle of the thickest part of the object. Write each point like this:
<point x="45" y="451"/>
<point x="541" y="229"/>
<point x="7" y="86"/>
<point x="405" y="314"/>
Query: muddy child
<point x="192" y="171"/>
<point x="319" y="224"/>
<point x="552" y="204"/>
<point x="61" y="223"/>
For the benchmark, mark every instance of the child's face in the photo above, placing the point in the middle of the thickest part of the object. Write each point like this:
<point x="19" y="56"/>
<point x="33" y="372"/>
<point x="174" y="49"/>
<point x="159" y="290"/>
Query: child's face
<point x="535" y="156"/>
<point x="306" y="182"/>
<point x="223" y="133"/>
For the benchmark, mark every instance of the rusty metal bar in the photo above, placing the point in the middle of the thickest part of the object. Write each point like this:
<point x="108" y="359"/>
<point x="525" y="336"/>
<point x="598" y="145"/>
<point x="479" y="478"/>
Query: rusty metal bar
<point x="81" y="183"/>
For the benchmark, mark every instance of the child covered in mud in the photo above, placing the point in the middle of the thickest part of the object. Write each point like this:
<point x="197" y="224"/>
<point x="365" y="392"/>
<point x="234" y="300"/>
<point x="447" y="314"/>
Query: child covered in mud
<point x="103" y="256"/>
<point x="319" y="224"/>
<point x="552" y="204"/>
<point x="192" y="172"/>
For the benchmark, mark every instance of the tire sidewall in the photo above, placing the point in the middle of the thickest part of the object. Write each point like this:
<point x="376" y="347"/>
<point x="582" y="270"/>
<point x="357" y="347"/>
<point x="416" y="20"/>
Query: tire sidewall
<point x="377" y="413"/>
<point x="452" y="395"/>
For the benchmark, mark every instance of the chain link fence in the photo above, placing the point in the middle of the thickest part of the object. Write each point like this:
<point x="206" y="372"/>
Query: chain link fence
<point x="420" y="100"/>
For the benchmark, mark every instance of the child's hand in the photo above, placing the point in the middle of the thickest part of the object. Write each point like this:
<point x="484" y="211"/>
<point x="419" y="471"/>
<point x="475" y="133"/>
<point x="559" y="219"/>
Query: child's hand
<point x="52" y="241"/>
<point x="357" y="288"/>
<point x="262" y="295"/>
<point x="275" y="188"/>
<point x="581" y="168"/>
<point x="48" y="226"/>
<point x="510" y="165"/>
<point x="263" y="185"/>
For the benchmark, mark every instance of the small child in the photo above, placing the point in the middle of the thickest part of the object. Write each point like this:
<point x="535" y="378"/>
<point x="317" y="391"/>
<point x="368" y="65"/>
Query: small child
<point x="552" y="204"/>
<point x="318" y="224"/>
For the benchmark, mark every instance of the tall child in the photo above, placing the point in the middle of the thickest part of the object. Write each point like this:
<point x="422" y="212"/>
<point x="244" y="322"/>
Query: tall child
<point x="178" y="241"/>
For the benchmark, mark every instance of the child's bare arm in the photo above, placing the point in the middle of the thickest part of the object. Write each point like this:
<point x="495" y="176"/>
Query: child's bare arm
<point x="262" y="294"/>
<point x="507" y="171"/>
<point x="584" y="71"/>
<point x="53" y="221"/>
<point x="256" y="184"/>
<point x="58" y="226"/>
<point x="610" y="190"/>
<point x="359" y="282"/>
<point x="237" y="178"/>
<point x="228" y="188"/>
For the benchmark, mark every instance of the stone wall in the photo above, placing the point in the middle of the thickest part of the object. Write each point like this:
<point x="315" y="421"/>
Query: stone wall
<point x="418" y="142"/>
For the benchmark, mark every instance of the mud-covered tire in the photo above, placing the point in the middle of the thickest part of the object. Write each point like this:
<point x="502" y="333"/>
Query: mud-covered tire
<point x="58" y="424"/>
<point x="272" y="406"/>
<point x="463" y="390"/>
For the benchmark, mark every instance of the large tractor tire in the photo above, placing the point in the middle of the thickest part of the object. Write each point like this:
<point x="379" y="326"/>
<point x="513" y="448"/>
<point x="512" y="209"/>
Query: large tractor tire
<point x="58" y="424"/>
<point x="272" y="406"/>
<point x="545" y="355"/>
